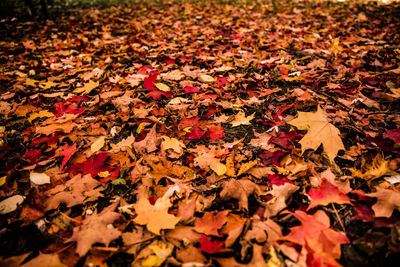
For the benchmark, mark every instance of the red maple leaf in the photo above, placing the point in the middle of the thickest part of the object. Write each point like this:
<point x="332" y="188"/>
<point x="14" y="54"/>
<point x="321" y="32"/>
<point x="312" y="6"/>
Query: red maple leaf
<point x="195" y="133"/>
<point x="188" y="122"/>
<point x="393" y="134"/>
<point x="191" y="89"/>
<point x="222" y="81"/>
<point x="157" y="94"/>
<point x="269" y="157"/>
<point x="276" y="179"/>
<point x="209" y="246"/>
<point x="215" y="132"/>
<point x="66" y="151"/>
<point x="325" y="194"/>
<point x="317" y="227"/>
<point x="93" y="166"/>
<point x="61" y="108"/>
<point x="33" y="155"/>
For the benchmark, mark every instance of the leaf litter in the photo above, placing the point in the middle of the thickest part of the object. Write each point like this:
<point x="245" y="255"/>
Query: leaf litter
<point x="202" y="134"/>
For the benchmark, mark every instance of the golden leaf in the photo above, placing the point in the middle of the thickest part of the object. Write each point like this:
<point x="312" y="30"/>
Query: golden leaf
<point x="320" y="131"/>
<point x="155" y="217"/>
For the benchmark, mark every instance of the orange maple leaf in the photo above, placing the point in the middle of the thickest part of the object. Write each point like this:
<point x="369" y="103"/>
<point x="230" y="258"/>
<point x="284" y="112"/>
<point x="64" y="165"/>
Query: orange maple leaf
<point x="155" y="217"/>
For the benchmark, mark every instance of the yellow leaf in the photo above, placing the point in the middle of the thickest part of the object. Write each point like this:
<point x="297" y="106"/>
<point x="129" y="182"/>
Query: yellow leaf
<point x="48" y="84"/>
<point x="218" y="167"/>
<point x="172" y="143"/>
<point x="335" y="46"/>
<point x="273" y="260"/>
<point x="206" y="78"/>
<point x="140" y="128"/>
<point x="241" y="119"/>
<point x="161" y="252"/>
<point x="230" y="166"/>
<point x="155" y="217"/>
<point x="87" y="88"/>
<point x="320" y="131"/>
<point x="246" y="166"/>
<point x="31" y="82"/>
<point x="40" y="114"/>
<point x="187" y="129"/>
<point x="376" y="169"/>
<point x="3" y="180"/>
<point x="98" y="144"/>
<point x="103" y="174"/>
<point x="162" y="87"/>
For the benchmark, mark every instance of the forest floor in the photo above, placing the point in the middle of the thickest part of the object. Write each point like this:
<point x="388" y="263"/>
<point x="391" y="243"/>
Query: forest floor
<point x="201" y="133"/>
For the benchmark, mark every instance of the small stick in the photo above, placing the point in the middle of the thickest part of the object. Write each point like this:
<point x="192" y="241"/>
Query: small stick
<point x="337" y="215"/>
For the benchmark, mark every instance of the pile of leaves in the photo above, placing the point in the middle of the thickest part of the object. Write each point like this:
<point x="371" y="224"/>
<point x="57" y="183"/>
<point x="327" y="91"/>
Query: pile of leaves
<point x="202" y="133"/>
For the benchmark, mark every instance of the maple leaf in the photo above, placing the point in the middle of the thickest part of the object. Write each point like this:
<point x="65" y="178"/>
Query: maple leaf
<point x="240" y="190"/>
<point x="320" y="131"/>
<point x="149" y="143"/>
<point x="87" y="88"/>
<point x="155" y="217"/>
<point x="325" y="194"/>
<point x="387" y="201"/>
<point x="66" y="151"/>
<point x="96" y="229"/>
<point x="280" y="195"/>
<point x="93" y="165"/>
<point x="211" y="247"/>
<point x="215" y="132"/>
<point x="195" y="133"/>
<point x="191" y="89"/>
<point x="210" y="223"/>
<point x="123" y="144"/>
<point x="233" y="228"/>
<point x="241" y="119"/>
<point x="370" y="171"/>
<point x="74" y="192"/>
<point x="316" y="227"/>
<point x="172" y="143"/>
<point x="45" y="260"/>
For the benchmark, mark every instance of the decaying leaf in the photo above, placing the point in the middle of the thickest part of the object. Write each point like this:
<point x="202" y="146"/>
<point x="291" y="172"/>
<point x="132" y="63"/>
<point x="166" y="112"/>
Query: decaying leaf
<point x="387" y="201"/>
<point x="74" y="192"/>
<point x="96" y="228"/>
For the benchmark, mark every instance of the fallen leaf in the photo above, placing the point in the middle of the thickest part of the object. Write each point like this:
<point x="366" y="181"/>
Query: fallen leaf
<point x="206" y="78"/>
<point x="317" y="226"/>
<point x="240" y="190"/>
<point x="87" y="88"/>
<point x="327" y="193"/>
<point x="211" y="247"/>
<point x="210" y="223"/>
<point x="319" y="131"/>
<point x="40" y="114"/>
<point x="96" y="228"/>
<point x="387" y="201"/>
<point x="218" y="167"/>
<point x="98" y="144"/>
<point x="39" y="178"/>
<point x="45" y="260"/>
<point x="74" y="192"/>
<point x="66" y="151"/>
<point x="163" y="87"/>
<point x="10" y="204"/>
<point x="172" y="143"/>
<point x="241" y="119"/>
<point x="155" y="217"/>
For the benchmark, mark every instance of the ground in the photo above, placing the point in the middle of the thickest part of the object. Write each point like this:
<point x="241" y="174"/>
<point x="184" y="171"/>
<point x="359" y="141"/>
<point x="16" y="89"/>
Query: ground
<point x="205" y="133"/>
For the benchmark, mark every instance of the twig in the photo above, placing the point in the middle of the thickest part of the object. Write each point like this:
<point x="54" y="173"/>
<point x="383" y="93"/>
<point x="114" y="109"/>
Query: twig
<point x="339" y="219"/>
